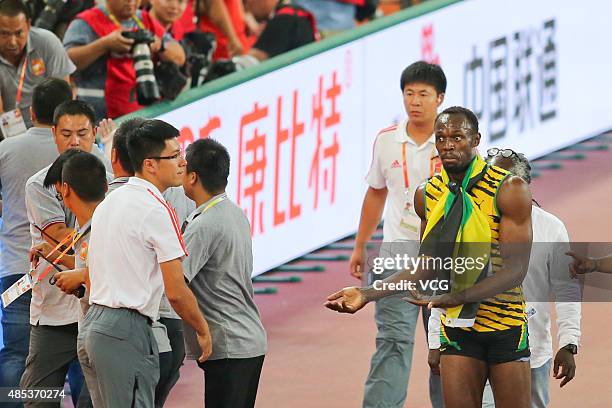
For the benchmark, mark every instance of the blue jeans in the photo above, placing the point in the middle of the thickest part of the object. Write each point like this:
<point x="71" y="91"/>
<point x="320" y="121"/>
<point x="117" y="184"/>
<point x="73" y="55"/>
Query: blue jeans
<point x="540" y="379"/>
<point x="16" y="337"/>
<point x="540" y="397"/>
<point x="391" y="363"/>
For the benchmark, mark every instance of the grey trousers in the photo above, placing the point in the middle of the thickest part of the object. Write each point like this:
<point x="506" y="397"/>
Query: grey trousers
<point x="387" y="380"/>
<point x="52" y="349"/>
<point x="119" y="357"/>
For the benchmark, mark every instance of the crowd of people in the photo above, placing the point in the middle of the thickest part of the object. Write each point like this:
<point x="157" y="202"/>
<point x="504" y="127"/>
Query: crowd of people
<point x="108" y="298"/>
<point x="137" y="257"/>
<point x="121" y="55"/>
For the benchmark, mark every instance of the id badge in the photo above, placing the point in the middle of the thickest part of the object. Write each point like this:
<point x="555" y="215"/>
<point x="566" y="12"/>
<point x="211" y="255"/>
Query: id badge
<point x="12" y="123"/>
<point x="410" y="221"/>
<point x="17" y="289"/>
<point x="530" y="312"/>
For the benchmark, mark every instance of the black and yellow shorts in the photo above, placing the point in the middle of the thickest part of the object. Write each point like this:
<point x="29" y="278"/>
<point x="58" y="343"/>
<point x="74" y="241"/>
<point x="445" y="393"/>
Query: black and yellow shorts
<point x="494" y="347"/>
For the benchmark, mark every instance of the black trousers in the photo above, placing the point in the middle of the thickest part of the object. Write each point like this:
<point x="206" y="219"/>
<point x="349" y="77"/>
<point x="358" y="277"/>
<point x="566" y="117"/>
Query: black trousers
<point x="231" y="382"/>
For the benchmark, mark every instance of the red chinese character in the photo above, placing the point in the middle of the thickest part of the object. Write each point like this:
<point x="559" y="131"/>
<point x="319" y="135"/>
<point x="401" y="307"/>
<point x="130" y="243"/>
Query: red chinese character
<point x="213" y="123"/>
<point x="331" y="151"/>
<point x="427" y="45"/>
<point x="282" y="135"/>
<point x="187" y="137"/>
<point x="255" y="148"/>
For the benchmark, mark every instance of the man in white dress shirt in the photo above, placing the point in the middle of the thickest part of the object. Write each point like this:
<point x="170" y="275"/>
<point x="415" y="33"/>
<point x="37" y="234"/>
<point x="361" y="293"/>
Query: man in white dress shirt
<point x="135" y="253"/>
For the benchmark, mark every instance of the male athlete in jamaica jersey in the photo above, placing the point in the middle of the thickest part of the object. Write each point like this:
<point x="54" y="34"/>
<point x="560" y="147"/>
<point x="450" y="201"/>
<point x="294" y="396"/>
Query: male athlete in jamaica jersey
<point x="484" y="333"/>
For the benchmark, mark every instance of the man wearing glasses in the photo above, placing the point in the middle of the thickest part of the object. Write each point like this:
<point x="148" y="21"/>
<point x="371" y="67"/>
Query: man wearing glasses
<point x="130" y="265"/>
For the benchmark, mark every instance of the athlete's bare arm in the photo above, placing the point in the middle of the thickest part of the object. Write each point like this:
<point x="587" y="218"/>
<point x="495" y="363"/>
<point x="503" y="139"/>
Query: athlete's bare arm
<point x="352" y="299"/>
<point x="515" y="236"/>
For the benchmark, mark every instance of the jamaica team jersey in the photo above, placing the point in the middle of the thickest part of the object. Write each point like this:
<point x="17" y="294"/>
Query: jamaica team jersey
<point x="505" y="310"/>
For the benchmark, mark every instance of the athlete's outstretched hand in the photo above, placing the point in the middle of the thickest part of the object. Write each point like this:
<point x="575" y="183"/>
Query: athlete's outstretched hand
<point x="580" y="264"/>
<point x="348" y="300"/>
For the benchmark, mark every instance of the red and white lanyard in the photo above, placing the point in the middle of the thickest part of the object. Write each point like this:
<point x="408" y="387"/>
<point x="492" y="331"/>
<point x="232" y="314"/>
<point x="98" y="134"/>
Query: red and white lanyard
<point x="21" y="80"/>
<point x="173" y="217"/>
<point x="432" y="165"/>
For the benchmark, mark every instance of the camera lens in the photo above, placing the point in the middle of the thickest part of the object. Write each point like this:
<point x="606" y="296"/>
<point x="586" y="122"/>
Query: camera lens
<point x="47" y="18"/>
<point x="147" y="90"/>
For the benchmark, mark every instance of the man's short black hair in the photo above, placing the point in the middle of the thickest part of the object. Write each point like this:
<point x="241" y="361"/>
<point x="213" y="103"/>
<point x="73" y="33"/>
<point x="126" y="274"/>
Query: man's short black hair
<point x="54" y="174"/>
<point x="148" y="140"/>
<point x="460" y="110"/>
<point x="12" y="8"/>
<point x="210" y="160"/>
<point x="120" y="142"/>
<point x="86" y="176"/>
<point x="47" y="96"/>
<point x="426" y="73"/>
<point x="73" y="108"/>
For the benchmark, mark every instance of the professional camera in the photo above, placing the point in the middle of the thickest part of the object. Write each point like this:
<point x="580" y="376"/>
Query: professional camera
<point x="50" y="14"/>
<point x="147" y="91"/>
<point x="224" y="67"/>
<point x="199" y="47"/>
<point x="170" y="79"/>
<point x="54" y="15"/>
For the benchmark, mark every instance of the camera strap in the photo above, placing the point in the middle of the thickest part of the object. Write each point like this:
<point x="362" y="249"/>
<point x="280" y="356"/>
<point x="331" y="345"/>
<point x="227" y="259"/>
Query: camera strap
<point x="134" y="18"/>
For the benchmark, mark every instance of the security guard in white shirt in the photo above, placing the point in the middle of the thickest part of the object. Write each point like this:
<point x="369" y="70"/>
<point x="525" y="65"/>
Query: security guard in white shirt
<point x="135" y="253"/>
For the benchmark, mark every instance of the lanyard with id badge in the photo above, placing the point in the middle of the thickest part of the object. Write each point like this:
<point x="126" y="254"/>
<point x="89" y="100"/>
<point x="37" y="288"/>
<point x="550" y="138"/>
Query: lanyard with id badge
<point x="12" y="122"/>
<point x="410" y="221"/>
<point x="28" y="282"/>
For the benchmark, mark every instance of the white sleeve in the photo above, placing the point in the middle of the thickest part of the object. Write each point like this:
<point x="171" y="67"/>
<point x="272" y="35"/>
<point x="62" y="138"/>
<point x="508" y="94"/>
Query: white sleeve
<point x="375" y="177"/>
<point x="566" y="291"/>
<point x="433" y="329"/>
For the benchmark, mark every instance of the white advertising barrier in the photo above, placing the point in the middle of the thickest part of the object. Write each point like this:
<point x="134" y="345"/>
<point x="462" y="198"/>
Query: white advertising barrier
<point x="295" y="138"/>
<point x="300" y="138"/>
<point x="532" y="71"/>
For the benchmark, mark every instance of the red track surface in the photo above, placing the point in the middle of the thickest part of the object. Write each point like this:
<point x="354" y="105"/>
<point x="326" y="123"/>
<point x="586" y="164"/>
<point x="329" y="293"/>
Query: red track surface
<point x="319" y="359"/>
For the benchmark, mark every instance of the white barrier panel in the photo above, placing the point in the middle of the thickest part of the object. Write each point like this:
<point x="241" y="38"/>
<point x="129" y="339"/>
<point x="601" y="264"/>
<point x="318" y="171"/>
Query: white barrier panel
<point x="300" y="138"/>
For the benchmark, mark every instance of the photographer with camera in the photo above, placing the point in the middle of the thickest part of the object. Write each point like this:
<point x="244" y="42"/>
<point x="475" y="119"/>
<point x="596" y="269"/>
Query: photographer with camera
<point x="286" y="27"/>
<point x="112" y="48"/>
<point x="28" y="55"/>
<point x="55" y="15"/>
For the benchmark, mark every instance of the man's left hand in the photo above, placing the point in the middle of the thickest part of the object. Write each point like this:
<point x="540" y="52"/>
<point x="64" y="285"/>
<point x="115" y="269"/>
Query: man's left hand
<point x="564" y="360"/>
<point x="69" y="281"/>
<point x="156" y="45"/>
<point x="442" y="301"/>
